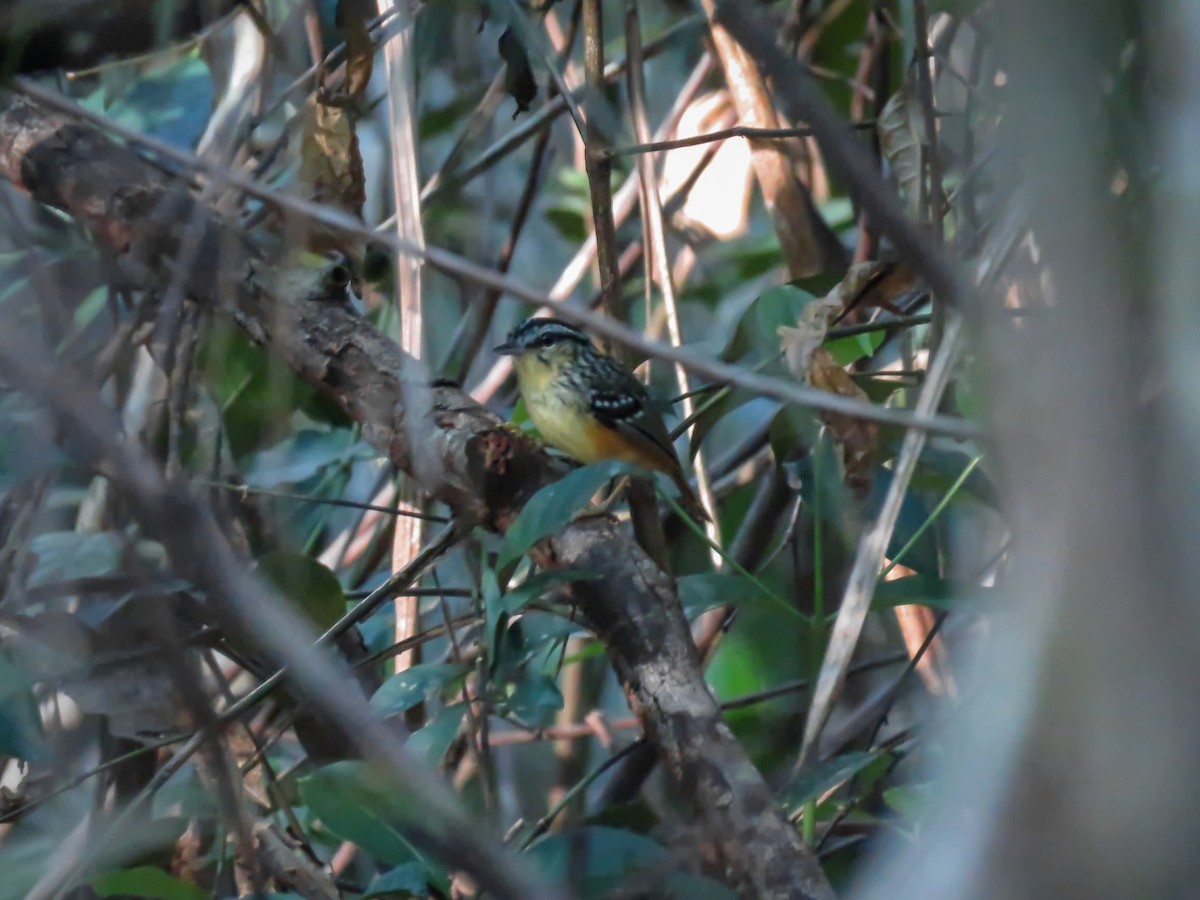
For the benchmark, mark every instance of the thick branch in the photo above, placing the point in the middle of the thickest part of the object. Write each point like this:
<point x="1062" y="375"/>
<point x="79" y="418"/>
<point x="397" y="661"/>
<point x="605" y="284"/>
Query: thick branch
<point x="140" y="217"/>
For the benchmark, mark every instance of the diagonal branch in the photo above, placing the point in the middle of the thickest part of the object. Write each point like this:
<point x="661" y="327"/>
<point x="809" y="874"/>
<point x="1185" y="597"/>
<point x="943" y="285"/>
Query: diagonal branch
<point x="137" y="215"/>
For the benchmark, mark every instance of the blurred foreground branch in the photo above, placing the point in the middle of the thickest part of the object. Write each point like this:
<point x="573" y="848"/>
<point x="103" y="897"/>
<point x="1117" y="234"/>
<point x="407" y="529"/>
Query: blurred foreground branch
<point x="77" y="34"/>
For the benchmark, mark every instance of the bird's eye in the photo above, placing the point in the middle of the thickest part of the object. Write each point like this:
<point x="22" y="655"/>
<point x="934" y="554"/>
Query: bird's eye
<point x="544" y="340"/>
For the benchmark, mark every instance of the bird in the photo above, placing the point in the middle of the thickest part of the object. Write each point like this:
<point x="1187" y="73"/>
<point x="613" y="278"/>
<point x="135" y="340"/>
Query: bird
<point x="590" y="406"/>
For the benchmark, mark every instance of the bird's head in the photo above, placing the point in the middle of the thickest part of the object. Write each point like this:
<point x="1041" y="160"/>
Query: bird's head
<point x="541" y="347"/>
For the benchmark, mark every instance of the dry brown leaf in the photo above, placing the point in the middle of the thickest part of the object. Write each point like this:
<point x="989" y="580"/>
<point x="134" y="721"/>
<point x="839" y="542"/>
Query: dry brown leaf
<point x="900" y="139"/>
<point x="856" y="438"/>
<point x="865" y="284"/>
<point x="331" y="166"/>
<point x="809" y="245"/>
<point x="799" y="342"/>
<point x="875" y="284"/>
<point x="352" y="19"/>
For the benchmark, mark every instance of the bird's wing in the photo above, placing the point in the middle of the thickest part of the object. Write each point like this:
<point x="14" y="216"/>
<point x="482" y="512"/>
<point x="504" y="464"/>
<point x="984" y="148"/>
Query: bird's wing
<point x="620" y="402"/>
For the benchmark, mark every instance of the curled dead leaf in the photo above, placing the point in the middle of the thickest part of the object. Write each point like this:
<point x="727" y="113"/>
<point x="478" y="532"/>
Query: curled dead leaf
<point x="331" y="166"/>
<point x="865" y="284"/>
<point x="855" y="438"/>
<point x="900" y="140"/>
<point x="798" y="343"/>
<point x="352" y="19"/>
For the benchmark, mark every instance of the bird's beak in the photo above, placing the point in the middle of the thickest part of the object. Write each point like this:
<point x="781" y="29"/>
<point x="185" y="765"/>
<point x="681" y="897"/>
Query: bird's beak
<point x="508" y="348"/>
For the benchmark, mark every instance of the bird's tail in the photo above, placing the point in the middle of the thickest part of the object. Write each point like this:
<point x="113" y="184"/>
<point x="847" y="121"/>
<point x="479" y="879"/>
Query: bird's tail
<point x="688" y="500"/>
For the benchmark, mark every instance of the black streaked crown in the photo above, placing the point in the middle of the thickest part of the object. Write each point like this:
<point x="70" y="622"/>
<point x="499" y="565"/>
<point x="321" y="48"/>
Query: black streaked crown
<point x="543" y="331"/>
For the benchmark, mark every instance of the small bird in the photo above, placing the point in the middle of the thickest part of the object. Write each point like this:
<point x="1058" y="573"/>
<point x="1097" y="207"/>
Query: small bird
<point x="590" y="406"/>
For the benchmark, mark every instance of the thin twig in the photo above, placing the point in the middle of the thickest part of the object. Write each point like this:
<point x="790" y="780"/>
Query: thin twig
<point x="864" y="575"/>
<point x="658" y="266"/>
<point x="738" y="131"/>
<point x="246" y="490"/>
<point x="386" y="591"/>
<point x="406" y="539"/>
<point x="643" y="507"/>
<point x="623" y="205"/>
<point x="930" y="151"/>
<point x="779" y="388"/>
<point x="476" y="723"/>
<point x="544" y="823"/>
<point x="550" y="111"/>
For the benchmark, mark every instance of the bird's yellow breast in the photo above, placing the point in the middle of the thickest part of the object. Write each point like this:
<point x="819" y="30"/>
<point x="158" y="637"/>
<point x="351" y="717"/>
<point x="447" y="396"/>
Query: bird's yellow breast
<point x="566" y="421"/>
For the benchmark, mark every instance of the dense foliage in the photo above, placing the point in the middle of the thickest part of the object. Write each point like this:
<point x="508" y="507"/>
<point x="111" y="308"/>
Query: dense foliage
<point x="146" y="750"/>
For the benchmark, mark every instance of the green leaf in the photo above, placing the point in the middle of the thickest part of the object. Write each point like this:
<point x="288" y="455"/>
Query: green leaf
<point x="927" y="591"/>
<point x="70" y="555"/>
<point x="507" y="651"/>
<point x="707" y="590"/>
<point x="879" y="390"/>
<point x="827" y="775"/>
<point x="186" y="793"/>
<point x="534" y="698"/>
<point x="900" y="138"/>
<point x="851" y="349"/>
<point x="406" y="880"/>
<point x="309" y="584"/>
<point x="536" y="587"/>
<point x="777" y="306"/>
<point x="554" y="506"/>
<point x="305" y="455"/>
<point x="145" y="881"/>
<point x="923" y="555"/>
<point x="713" y="413"/>
<point x="406" y="689"/>
<point x="935" y="593"/>
<point x="792" y="432"/>
<point x="696" y="887"/>
<point x="817" y="286"/>
<point x="20" y="724"/>
<point x="90" y="307"/>
<point x="938" y="470"/>
<point x="960" y="8"/>
<point x="432" y="741"/>
<point x="27" y="448"/>
<point x="908" y="800"/>
<point x="171" y="102"/>
<point x="359" y="803"/>
<point x="754" y="337"/>
<point x="257" y="394"/>
<point x="601" y="857"/>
